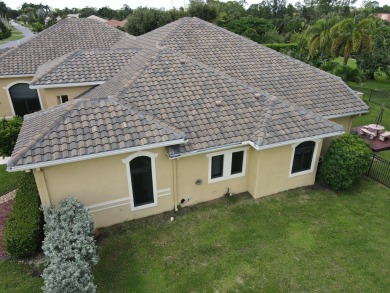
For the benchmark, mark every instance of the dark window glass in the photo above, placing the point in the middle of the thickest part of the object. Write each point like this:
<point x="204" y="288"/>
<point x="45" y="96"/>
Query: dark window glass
<point x="237" y="162"/>
<point x="303" y="156"/>
<point x="24" y="99"/>
<point x="216" y="166"/>
<point x="64" y="99"/>
<point x="141" y="180"/>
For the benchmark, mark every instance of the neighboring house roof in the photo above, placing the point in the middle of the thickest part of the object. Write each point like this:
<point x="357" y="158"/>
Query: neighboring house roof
<point x="83" y="66"/>
<point x="383" y="16"/>
<point x="117" y="23"/>
<point x="61" y="38"/>
<point x="183" y="98"/>
<point x="259" y="66"/>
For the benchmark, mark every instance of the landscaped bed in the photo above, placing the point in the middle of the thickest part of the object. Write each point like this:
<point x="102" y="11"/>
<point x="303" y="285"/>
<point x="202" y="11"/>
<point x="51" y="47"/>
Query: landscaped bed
<point x="308" y="239"/>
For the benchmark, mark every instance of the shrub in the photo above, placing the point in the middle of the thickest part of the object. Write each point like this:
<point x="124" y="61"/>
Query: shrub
<point x="279" y="46"/>
<point x="22" y="232"/>
<point x="349" y="74"/>
<point x="9" y="131"/>
<point x="346" y="161"/>
<point x="69" y="247"/>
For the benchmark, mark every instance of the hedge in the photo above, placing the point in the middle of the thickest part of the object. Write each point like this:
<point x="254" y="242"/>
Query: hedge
<point x="9" y="131"/>
<point x="23" y="230"/>
<point x="279" y="46"/>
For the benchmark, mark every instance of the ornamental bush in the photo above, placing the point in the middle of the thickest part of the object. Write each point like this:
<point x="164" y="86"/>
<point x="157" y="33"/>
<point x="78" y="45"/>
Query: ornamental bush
<point x="347" y="160"/>
<point x="9" y="131"/>
<point x="69" y="247"/>
<point x="23" y="230"/>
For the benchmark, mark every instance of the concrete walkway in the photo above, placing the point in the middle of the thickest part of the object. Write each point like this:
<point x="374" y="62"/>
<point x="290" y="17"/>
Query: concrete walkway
<point x="3" y="160"/>
<point x="27" y="34"/>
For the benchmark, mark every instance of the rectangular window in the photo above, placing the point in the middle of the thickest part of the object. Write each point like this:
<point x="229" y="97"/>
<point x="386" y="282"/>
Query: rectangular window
<point x="217" y="166"/>
<point x="237" y="160"/>
<point x="62" y="99"/>
<point x="227" y="164"/>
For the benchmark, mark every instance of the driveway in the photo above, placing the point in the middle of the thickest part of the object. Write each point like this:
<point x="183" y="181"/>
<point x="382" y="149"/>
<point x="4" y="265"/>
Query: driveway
<point x="27" y="34"/>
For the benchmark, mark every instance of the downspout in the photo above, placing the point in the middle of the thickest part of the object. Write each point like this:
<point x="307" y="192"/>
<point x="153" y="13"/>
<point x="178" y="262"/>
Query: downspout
<point x="42" y="187"/>
<point x="175" y="183"/>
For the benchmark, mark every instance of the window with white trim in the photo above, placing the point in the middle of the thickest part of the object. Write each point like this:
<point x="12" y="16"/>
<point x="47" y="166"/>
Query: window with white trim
<point x="62" y="99"/>
<point x="303" y="157"/>
<point x="227" y="164"/>
<point x="141" y="176"/>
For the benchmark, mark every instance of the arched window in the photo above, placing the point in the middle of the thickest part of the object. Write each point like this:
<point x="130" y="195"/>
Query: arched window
<point x="142" y="180"/>
<point x="24" y="99"/>
<point x="303" y="157"/>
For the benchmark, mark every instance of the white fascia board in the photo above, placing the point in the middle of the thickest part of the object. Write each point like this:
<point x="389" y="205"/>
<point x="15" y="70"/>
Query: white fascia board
<point x="288" y="142"/>
<point x="62" y="85"/>
<point x="258" y="148"/>
<point x="346" y="114"/>
<point x="94" y="156"/>
<point x="17" y="75"/>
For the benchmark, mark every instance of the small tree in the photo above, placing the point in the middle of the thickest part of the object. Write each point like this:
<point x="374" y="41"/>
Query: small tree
<point x="69" y="247"/>
<point x="346" y="161"/>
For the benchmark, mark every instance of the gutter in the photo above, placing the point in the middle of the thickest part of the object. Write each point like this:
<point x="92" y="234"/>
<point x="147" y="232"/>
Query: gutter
<point x="95" y="156"/>
<point x="258" y="148"/>
<point x="61" y="85"/>
<point x="347" y="114"/>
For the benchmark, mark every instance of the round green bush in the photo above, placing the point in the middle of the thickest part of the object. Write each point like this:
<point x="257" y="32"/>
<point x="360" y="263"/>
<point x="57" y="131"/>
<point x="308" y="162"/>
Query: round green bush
<point x="347" y="160"/>
<point x="23" y="230"/>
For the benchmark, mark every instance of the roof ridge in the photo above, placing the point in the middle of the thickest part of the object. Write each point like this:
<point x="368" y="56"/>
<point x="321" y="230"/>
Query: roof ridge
<point x="45" y="131"/>
<point x="180" y="22"/>
<point x="146" y="115"/>
<point x="267" y="117"/>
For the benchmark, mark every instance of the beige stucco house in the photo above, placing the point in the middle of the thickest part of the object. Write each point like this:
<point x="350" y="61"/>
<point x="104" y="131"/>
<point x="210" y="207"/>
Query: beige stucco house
<point x="135" y="126"/>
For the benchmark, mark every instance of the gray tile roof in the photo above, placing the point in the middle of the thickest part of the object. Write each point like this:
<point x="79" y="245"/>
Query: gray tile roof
<point x="259" y="66"/>
<point x="86" y="127"/>
<point x="92" y="65"/>
<point x="62" y="38"/>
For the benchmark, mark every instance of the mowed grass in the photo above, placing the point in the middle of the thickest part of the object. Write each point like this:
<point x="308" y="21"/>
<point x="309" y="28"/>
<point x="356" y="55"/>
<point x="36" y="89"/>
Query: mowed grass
<point x="15" y="35"/>
<point x="301" y="241"/>
<point x="8" y="181"/>
<point x="385" y="155"/>
<point x="19" y="278"/>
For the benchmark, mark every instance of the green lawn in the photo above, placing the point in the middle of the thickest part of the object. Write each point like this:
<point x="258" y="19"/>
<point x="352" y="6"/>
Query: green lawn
<point x="385" y="155"/>
<point x="351" y="62"/>
<point x="16" y="35"/>
<point x="303" y="240"/>
<point x="8" y="181"/>
<point x="19" y="278"/>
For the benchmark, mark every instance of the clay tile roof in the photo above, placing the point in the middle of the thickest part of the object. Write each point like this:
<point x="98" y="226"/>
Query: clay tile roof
<point x="62" y="38"/>
<point x="87" y="127"/>
<point x="88" y="65"/>
<point x="259" y="66"/>
<point x="117" y="23"/>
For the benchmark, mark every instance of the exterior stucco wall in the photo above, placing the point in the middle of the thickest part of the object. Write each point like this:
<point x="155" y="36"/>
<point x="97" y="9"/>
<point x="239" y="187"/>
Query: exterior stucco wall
<point x="345" y="122"/>
<point x="49" y="95"/>
<point x="6" y="108"/>
<point x="273" y="171"/>
<point x="103" y="180"/>
<point x="102" y="184"/>
<point x="190" y="169"/>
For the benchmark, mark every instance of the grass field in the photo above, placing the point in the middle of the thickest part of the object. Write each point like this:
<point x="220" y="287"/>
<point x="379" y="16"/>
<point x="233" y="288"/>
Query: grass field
<point x="16" y="35"/>
<point x="385" y="155"/>
<point x="8" y="181"/>
<point x="303" y="240"/>
<point x="374" y="108"/>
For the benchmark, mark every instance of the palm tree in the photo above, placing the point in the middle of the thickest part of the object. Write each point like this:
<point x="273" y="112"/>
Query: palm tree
<point x="319" y="38"/>
<point x="349" y="37"/>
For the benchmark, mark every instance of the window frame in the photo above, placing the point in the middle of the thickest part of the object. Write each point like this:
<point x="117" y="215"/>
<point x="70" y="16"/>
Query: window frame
<point x="11" y="105"/>
<point x="227" y="164"/>
<point x="126" y="161"/>
<point x="313" y="160"/>
<point x="60" y="101"/>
